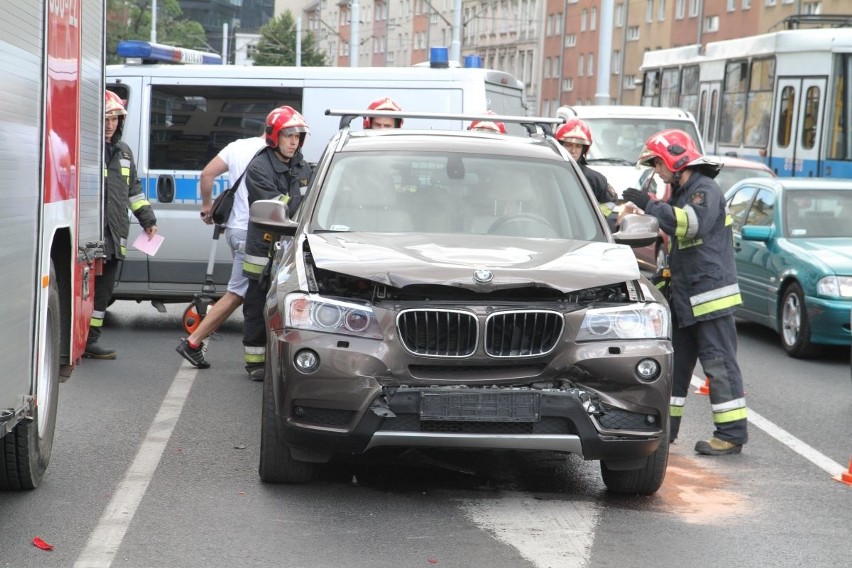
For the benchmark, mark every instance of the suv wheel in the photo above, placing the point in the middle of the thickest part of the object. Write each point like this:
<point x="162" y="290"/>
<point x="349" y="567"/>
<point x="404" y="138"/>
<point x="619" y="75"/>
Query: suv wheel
<point x="642" y="481"/>
<point x="276" y="463"/>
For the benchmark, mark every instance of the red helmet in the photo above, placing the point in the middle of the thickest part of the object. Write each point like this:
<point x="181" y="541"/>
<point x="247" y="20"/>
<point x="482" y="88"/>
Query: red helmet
<point x="287" y="120"/>
<point x="385" y="103"/>
<point x="674" y="147"/>
<point x="575" y="131"/>
<point x="488" y="125"/>
<point x="113" y="104"/>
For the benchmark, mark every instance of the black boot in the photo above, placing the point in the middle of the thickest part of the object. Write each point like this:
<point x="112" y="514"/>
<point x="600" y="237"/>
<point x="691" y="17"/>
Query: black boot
<point x="95" y="351"/>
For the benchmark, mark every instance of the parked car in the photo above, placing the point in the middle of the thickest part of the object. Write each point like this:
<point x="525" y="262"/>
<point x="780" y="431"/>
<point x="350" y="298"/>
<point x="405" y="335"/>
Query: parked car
<point x="793" y="248"/>
<point x="460" y="290"/>
<point x="652" y="257"/>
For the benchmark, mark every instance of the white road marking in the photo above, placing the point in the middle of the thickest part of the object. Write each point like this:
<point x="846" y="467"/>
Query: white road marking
<point x="812" y="455"/>
<point x="550" y="534"/>
<point x="104" y="541"/>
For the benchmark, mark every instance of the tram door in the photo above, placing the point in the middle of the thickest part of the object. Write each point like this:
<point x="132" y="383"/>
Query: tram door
<point x="708" y="114"/>
<point x="798" y="125"/>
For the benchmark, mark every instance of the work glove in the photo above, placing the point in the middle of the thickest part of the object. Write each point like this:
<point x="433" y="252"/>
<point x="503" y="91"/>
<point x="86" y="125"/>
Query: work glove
<point x="637" y="196"/>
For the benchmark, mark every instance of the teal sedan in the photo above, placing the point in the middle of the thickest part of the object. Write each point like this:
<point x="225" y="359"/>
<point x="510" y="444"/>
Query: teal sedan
<point x="793" y="249"/>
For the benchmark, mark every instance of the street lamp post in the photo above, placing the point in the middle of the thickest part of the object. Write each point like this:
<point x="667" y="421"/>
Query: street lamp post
<point x="153" y="21"/>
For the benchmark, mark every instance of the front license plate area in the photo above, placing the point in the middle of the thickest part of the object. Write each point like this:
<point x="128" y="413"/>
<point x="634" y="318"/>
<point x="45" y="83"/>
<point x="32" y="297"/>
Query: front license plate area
<point x="480" y="406"/>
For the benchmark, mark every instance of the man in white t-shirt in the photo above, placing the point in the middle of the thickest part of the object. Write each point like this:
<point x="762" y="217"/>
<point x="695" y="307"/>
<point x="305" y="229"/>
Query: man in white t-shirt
<point x="234" y="158"/>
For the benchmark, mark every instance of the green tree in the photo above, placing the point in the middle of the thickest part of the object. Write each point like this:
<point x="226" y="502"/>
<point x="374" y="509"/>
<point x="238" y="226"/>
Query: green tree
<point x="131" y="19"/>
<point x="277" y="44"/>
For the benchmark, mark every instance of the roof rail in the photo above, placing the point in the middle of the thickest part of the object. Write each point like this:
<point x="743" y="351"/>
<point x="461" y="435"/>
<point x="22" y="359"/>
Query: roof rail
<point x="531" y="123"/>
<point x="796" y="21"/>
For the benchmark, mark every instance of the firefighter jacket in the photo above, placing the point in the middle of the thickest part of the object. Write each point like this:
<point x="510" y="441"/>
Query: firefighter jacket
<point x="604" y="194"/>
<point x="123" y="190"/>
<point x="701" y="259"/>
<point x="267" y="177"/>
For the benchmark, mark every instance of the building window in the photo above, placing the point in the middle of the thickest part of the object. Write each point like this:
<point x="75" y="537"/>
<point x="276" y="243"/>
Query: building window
<point x="746" y="4"/>
<point x="633" y="33"/>
<point x="711" y="24"/>
<point x="593" y="20"/>
<point x="649" y="11"/>
<point x="629" y="82"/>
<point x="591" y="72"/>
<point x="732" y="5"/>
<point x="584" y="16"/>
<point x="616" y="62"/>
<point x="812" y="8"/>
<point x="769" y="2"/>
<point x="661" y="13"/>
<point x="570" y="40"/>
<point x="680" y="9"/>
<point x="619" y="15"/>
<point x="693" y="8"/>
<point x="787" y="1"/>
<point x="581" y="63"/>
<point x="568" y="85"/>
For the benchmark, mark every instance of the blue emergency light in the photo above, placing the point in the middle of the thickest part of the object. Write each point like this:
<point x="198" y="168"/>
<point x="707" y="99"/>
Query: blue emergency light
<point x="439" y="57"/>
<point x="158" y="53"/>
<point x="472" y="62"/>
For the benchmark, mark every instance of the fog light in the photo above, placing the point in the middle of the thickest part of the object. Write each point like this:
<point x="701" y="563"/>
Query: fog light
<point x="306" y="361"/>
<point x="647" y="370"/>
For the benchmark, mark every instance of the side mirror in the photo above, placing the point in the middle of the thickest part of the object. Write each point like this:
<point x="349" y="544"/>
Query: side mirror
<point x="757" y="233"/>
<point x="637" y="230"/>
<point x="271" y="216"/>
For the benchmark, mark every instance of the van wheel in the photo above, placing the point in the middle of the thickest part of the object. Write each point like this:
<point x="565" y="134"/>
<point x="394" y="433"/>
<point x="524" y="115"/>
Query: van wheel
<point x="645" y="480"/>
<point x="25" y="451"/>
<point x="276" y="463"/>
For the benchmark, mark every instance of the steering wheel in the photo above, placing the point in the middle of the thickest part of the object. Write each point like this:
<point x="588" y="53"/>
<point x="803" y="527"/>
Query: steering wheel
<point x="523" y="225"/>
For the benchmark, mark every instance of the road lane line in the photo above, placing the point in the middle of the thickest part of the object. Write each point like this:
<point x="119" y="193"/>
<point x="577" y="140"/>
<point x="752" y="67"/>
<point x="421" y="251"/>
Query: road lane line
<point x="104" y="541"/>
<point x="547" y="533"/>
<point x="809" y="453"/>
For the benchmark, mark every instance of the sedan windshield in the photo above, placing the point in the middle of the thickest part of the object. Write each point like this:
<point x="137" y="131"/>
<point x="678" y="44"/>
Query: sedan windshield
<point x="817" y="213"/>
<point x="620" y="140"/>
<point x="464" y="194"/>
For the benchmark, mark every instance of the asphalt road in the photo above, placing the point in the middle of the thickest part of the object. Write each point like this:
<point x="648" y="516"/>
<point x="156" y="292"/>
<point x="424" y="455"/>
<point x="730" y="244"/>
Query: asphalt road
<point x="155" y="464"/>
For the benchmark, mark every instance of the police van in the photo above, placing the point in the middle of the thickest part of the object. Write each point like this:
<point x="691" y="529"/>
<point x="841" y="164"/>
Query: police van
<point x="179" y="116"/>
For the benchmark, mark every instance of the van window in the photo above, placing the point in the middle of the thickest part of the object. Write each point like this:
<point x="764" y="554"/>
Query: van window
<point x="191" y="124"/>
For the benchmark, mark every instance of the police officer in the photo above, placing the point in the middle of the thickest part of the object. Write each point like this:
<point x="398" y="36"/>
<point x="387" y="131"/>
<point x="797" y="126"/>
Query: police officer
<point x="277" y="172"/>
<point x="704" y="290"/>
<point x="122" y="190"/>
<point x="378" y="122"/>
<point x="576" y="137"/>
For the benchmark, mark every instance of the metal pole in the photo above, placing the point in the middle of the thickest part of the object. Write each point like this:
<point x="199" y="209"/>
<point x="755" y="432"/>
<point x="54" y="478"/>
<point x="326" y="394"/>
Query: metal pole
<point x="225" y="43"/>
<point x="354" y="16"/>
<point x="299" y="41"/>
<point x="604" y="53"/>
<point x="153" y="21"/>
<point x="455" y="46"/>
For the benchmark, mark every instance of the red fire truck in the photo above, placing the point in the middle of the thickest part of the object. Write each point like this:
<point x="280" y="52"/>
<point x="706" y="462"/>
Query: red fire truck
<point x="51" y="159"/>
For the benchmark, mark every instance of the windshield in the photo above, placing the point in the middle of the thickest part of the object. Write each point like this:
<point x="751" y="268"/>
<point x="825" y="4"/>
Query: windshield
<point x="818" y="213"/>
<point x="622" y="139"/>
<point x="465" y="194"/>
<point x="732" y="174"/>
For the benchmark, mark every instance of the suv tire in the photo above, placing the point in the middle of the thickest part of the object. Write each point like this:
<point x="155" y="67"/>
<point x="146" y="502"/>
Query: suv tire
<point x="644" y="480"/>
<point x="276" y="463"/>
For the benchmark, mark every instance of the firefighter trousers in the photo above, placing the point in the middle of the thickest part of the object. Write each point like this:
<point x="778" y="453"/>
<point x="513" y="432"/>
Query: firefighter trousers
<point x="104" y="286"/>
<point x="713" y="343"/>
<point x="254" y="327"/>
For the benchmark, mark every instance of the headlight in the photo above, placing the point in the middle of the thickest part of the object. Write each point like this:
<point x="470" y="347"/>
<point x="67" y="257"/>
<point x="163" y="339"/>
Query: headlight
<point x="637" y="321"/>
<point x="835" y="286"/>
<point x="304" y="311"/>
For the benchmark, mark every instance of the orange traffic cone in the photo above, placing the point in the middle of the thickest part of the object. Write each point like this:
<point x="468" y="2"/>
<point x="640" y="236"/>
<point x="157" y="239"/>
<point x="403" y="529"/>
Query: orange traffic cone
<point x="846" y="476"/>
<point x="705" y="388"/>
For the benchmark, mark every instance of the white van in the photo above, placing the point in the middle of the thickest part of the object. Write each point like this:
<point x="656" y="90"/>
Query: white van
<point x="619" y="134"/>
<point x="181" y="116"/>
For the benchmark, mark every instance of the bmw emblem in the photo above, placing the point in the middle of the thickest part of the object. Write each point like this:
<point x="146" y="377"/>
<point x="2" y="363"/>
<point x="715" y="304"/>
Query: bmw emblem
<point x="483" y="275"/>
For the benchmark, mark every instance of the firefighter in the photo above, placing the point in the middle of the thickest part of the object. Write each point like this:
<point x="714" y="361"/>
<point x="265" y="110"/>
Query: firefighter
<point x="488" y="125"/>
<point x="122" y="190"/>
<point x="704" y="290"/>
<point x="378" y="122"/>
<point x="576" y="137"/>
<point x="277" y="172"/>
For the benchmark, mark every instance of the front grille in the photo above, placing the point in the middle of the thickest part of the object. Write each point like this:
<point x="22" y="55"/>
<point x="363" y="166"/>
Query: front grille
<point x="438" y="333"/>
<point x="527" y="333"/>
<point x="412" y="423"/>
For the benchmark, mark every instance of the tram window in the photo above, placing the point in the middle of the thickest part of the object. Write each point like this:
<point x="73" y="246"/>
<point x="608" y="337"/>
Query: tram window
<point x="651" y="89"/>
<point x="809" y="124"/>
<point x="669" y="88"/>
<point x="786" y="111"/>
<point x="732" y="117"/>
<point x="689" y="89"/>
<point x="711" y="122"/>
<point x="759" y="108"/>
<point x="702" y="113"/>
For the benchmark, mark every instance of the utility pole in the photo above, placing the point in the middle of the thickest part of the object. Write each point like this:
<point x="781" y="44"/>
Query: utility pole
<point x="153" y="21"/>
<point x="604" y="53"/>
<point x="354" y="17"/>
<point x="455" y="46"/>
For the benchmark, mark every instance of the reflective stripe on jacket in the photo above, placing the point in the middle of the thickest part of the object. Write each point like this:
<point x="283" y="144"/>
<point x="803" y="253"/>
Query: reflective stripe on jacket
<point x="122" y="191"/>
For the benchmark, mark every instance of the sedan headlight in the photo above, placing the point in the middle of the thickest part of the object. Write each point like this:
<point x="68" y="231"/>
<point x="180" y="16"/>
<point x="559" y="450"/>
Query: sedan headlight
<point x="314" y="313"/>
<point x="835" y="286"/>
<point x="637" y="321"/>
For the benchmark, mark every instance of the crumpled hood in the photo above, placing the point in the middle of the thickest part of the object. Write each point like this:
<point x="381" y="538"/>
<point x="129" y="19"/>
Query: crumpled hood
<point x="400" y="260"/>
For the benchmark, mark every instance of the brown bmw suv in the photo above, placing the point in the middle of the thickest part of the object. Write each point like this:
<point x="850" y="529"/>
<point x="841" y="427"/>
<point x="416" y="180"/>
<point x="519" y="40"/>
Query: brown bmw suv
<point x="459" y="289"/>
